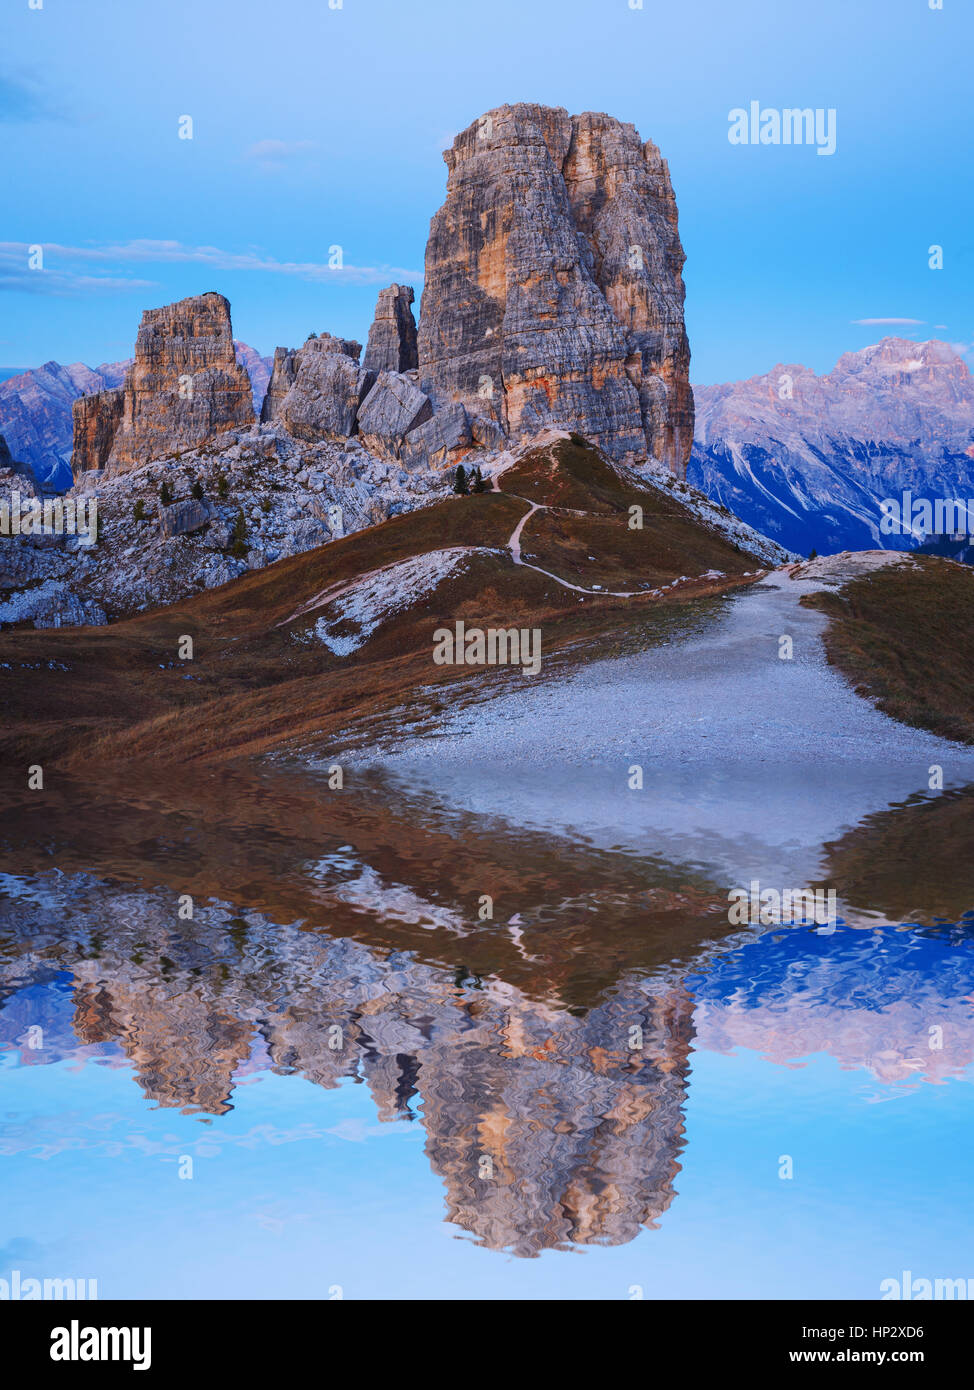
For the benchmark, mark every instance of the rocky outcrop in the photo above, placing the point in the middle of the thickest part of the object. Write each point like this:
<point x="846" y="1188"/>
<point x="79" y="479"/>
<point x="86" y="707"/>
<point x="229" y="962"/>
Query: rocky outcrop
<point x="184" y="387"/>
<point x="393" y="407"/>
<point x="14" y="475"/>
<point x="392" y="337"/>
<point x="315" y="391"/>
<point x="36" y="409"/>
<point x="96" y="419"/>
<point x="435" y="444"/>
<point x="51" y="604"/>
<point x="553" y="292"/>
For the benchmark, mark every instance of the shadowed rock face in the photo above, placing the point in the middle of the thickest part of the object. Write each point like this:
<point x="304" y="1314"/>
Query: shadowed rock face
<point x="553" y="290"/>
<point x="392" y="337"/>
<point x="315" y="391"/>
<point x="13" y="473"/>
<point x="96" y="420"/>
<point x="184" y="387"/>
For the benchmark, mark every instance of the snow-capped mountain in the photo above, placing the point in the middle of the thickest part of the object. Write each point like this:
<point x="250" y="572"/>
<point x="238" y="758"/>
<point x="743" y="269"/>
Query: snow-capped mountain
<point x="807" y="459"/>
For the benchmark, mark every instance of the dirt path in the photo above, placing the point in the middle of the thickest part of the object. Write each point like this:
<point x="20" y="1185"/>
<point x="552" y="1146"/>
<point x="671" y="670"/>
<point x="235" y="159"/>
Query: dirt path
<point x="342" y="588"/>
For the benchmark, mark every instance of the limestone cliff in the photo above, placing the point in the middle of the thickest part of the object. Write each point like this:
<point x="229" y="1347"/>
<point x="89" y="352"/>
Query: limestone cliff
<point x="392" y="337"/>
<point x="96" y="419"/>
<point x="315" y="391"/>
<point x="184" y="386"/>
<point x="553" y="291"/>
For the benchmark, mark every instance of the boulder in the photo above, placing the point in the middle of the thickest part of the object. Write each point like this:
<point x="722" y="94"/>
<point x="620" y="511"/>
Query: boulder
<point x="393" y="408"/>
<point x="315" y="391"/>
<point x="180" y="518"/>
<point x="433" y="443"/>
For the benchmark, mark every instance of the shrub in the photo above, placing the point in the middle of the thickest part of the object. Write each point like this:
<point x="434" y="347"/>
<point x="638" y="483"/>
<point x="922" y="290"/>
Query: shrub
<point x="197" y="491"/>
<point x="165" y="493"/>
<point x="138" y="513"/>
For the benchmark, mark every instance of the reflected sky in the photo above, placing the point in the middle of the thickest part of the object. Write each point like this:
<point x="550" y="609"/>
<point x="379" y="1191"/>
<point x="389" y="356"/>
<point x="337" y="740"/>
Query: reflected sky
<point x="594" y="1094"/>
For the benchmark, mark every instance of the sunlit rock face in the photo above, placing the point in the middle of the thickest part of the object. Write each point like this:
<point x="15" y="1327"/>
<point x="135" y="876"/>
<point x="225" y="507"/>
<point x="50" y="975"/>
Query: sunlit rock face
<point x="184" y="387"/>
<point x="553" y="292"/>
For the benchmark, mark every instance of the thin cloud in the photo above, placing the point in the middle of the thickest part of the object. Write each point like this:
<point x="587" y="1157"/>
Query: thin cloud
<point x="271" y="156"/>
<point x="16" y="276"/>
<point x="870" y="323"/>
<point x="22" y="99"/>
<point x="13" y="259"/>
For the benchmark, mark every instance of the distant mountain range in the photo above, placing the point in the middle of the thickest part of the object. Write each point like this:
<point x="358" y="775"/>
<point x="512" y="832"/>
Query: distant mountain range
<point x="807" y="460"/>
<point x="35" y="408"/>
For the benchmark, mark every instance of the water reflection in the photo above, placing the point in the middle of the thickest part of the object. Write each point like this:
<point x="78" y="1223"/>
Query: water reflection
<point x="545" y="1052"/>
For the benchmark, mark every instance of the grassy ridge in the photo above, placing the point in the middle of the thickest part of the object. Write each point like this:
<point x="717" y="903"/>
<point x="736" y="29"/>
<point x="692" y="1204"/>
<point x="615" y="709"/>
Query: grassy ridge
<point x="904" y="637"/>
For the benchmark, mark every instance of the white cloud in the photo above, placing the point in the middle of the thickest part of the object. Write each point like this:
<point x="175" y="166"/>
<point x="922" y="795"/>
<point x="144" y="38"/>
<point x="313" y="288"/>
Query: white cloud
<point x="869" y="323"/>
<point x="57" y="278"/>
<point x="271" y="156"/>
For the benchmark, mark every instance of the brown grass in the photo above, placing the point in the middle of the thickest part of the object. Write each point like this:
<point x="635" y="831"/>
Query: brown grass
<point x="105" y="694"/>
<point x="904" y="637"/>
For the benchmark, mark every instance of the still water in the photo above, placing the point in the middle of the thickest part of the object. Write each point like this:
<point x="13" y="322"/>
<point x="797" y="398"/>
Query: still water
<point x="339" y="1077"/>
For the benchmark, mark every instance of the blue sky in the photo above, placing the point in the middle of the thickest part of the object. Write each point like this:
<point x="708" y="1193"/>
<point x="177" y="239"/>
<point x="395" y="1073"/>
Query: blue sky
<point x="316" y="127"/>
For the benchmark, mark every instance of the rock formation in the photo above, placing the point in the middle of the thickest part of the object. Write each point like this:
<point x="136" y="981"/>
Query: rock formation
<point x="36" y="409"/>
<point x="392" y="337"/>
<point x="96" y="419"/>
<point x="14" y="475"/>
<point x="553" y="290"/>
<point x="315" y="391"/>
<point x="393" y="407"/>
<point x="184" y="387"/>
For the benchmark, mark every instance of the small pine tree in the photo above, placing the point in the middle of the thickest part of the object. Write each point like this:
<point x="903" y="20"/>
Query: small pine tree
<point x="165" y="493"/>
<point x="197" y="491"/>
<point x="238" y="547"/>
<point x="813" y="554"/>
<point x="222" y="487"/>
<point x="138" y="513"/>
<point x="460" y="482"/>
<point x="477" y="481"/>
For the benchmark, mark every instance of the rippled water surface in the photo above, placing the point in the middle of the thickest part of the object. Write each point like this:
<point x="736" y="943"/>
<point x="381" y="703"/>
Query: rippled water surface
<point x="603" y="1088"/>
